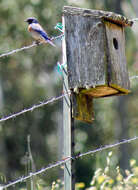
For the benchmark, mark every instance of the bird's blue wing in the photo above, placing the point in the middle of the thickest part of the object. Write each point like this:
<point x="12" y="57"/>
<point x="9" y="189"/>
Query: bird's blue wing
<point x="37" y="28"/>
<point x="43" y="34"/>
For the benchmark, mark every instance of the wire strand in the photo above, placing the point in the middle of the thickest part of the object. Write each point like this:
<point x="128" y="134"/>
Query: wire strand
<point x="27" y="47"/>
<point x="51" y="100"/>
<point x="134" y="19"/>
<point x="124" y="141"/>
<point x="133" y="77"/>
<point x="65" y="160"/>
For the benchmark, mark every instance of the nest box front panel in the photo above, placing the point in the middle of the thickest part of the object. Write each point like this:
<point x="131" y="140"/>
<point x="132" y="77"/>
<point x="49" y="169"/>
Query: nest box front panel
<point x="117" y="68"/>
<point x="86" y="51"/>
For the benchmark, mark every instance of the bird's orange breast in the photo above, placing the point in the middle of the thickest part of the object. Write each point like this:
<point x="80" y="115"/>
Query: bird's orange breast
<point x="29" y="28"/>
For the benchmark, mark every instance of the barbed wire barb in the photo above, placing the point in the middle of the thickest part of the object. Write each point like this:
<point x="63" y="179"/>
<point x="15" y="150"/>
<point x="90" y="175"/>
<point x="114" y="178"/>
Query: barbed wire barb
<point x="134" y="19"/>
<point x="65" y="160"/>
<point x="133" y="77"/>
<point x="51" y="100"/>
<point x="108" y="146"/>
<point x="41" y="104"/>
<point x="27" y="47"/>
<point x="18" y="50"/>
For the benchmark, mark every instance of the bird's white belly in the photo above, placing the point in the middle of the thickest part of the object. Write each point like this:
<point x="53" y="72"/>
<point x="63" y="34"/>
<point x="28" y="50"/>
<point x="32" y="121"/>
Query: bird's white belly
<point x="36" y="35"/>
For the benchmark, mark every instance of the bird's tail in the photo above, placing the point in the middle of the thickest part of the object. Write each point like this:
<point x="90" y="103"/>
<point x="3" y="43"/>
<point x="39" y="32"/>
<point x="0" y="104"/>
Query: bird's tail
<point x="51" y="43"/>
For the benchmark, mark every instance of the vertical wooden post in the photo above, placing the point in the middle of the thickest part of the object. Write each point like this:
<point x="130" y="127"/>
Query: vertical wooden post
<point x="68" y="127"/>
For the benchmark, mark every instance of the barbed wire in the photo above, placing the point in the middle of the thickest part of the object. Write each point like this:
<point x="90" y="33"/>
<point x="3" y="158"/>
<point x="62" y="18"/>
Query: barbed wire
<point x="21" y="179"/>
<point x="27" y="47"/>
<point x="36" y="44"/>
<point x="133" y="77"/>
<point x="134" y="19"/>
<point x="51" y="100"/>
<point x="65" y="160"/>
<point x="124" y="141"/>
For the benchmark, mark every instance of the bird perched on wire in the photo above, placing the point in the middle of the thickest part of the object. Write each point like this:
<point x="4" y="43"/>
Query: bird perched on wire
<point x="37" y="32"/>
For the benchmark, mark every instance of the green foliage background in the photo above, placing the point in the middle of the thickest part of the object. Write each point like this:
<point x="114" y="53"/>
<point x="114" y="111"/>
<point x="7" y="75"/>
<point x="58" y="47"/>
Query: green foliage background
<point x="29" y="77"/>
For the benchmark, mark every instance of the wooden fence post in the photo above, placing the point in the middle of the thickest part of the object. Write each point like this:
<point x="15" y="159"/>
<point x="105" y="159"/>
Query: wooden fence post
<point x="68" y="127"/>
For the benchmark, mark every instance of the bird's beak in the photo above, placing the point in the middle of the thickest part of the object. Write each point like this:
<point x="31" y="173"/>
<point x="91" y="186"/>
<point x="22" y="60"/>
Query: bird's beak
<point x="25" y="20"/>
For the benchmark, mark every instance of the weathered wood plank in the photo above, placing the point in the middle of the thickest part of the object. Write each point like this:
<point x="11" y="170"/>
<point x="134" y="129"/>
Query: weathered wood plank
<point x="68" y="129"/>
<point x="118" y="75"/>
<point x="110" y="16"/>
<point x="82" y="107"/>
<point x="95" y="48"/>
<point x="86" y="51"/>
<point x="100" y="91"/>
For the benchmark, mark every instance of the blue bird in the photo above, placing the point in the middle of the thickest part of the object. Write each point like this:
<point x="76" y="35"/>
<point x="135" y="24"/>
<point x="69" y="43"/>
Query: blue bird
<point x="37" y="32"/>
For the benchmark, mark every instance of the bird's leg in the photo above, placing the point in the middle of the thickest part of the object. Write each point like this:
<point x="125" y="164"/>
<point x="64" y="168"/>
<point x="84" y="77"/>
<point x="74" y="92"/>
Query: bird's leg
<point x="37" y="42"/>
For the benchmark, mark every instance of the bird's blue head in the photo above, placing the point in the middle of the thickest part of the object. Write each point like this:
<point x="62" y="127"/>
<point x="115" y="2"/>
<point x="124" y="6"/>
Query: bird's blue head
<point x="31" y="20"/>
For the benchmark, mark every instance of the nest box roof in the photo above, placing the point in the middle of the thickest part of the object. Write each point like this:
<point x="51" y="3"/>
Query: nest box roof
<point x="109" y="16"/>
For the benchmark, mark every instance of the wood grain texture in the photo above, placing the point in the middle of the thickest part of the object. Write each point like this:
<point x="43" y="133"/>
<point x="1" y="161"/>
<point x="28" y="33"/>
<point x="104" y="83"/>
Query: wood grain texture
<point x="100" y="91"/>
<point x="83" y="107"/>
<point x="118" y="75"/>
<point x="68" y="129"/>
<point x="86" y="51"/>
<point x="110" y="16"/>
<point x="95" y="47"/>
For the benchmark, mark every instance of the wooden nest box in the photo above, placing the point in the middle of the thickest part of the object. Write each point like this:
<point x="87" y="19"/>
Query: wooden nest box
<point x="95" y="50"/>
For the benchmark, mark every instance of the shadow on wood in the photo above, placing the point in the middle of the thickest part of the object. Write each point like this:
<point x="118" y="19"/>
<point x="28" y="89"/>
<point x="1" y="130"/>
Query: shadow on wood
<point x="82" y="105"/>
